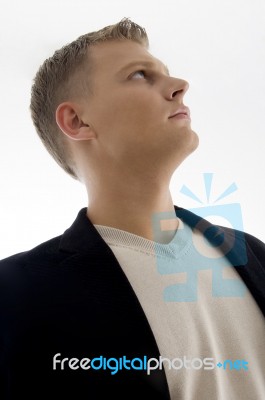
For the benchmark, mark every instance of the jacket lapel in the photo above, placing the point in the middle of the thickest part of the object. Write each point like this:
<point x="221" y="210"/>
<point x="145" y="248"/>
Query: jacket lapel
<point x="111" y="298"/>
<point x="247" y="258"/>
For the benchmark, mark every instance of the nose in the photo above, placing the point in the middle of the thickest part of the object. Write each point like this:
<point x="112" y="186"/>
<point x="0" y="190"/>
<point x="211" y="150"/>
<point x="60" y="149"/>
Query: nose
<point x="176" y="88"/>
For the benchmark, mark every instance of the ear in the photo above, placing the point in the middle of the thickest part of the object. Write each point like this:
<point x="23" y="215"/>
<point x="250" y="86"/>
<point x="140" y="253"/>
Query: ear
<point x="70" y="123"/>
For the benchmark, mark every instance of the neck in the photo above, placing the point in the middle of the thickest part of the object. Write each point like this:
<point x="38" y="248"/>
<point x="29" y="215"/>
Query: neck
<point x="131" y="205"/>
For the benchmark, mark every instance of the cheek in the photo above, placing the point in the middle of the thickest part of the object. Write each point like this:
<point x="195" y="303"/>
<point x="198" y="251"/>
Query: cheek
<point x="128" y="114"/>
<point x="138" y="112"/>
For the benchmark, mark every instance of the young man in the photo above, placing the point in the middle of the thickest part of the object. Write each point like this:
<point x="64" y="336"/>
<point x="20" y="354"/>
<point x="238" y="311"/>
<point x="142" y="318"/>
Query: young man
<point x="100" y="308"/>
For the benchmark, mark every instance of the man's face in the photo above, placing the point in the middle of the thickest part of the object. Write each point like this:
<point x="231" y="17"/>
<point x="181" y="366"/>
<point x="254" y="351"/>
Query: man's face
<point x="131" y="104"/>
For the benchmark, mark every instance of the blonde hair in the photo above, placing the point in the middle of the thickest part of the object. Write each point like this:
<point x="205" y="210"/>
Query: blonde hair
<point x="62" y="75"/>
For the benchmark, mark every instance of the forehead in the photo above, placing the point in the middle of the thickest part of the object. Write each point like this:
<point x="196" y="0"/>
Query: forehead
<point x="114" y="56"/>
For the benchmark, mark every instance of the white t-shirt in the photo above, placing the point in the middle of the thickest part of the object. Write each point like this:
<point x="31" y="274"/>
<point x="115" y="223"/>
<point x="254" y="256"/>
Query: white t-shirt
<point x="198" y="307"/>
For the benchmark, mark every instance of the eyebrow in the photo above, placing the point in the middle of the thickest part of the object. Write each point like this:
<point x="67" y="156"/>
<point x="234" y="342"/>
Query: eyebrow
<point x="147" y="64"/>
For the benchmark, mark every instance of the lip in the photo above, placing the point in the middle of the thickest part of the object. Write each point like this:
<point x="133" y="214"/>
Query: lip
<point x="182" y="112"/>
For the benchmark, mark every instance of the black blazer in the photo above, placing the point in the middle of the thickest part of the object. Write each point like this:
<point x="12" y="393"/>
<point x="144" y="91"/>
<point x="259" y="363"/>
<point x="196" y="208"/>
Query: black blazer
<point x="69" y="295"/>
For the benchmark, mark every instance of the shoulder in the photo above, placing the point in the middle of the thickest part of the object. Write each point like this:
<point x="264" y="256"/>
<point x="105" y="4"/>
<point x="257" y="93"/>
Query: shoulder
<point x="212" y="230"/>
<point x="256" y="245"/>
<point x="245" y="246"/>
<point x="44" y="253"/>
<point x="28" y="274"/>
<point x="251" y="240"/>
<point x="230" y="240"/>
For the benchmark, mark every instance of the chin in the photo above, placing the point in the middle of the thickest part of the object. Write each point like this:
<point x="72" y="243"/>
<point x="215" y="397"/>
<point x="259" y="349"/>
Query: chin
<point x="188" y="140"/>
<point x="185" y="147"/>
<point x="194" y="141"/>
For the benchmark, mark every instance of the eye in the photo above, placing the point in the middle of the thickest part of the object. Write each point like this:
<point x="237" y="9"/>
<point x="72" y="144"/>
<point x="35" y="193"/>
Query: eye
<point x="139" y="74"/>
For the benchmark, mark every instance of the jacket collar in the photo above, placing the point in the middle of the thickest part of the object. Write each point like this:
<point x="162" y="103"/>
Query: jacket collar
<point x="82" y="237"/>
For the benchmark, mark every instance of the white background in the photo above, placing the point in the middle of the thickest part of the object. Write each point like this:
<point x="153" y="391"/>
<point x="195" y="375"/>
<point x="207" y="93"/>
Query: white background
<point x="217" y="46"/>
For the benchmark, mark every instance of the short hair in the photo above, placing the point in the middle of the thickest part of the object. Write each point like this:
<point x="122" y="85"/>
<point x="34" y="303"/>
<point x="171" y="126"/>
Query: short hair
<point x="61" y="76"/>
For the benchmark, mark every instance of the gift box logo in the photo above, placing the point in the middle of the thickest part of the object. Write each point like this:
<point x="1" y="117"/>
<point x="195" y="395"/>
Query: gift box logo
<point x="198" y="257"/>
